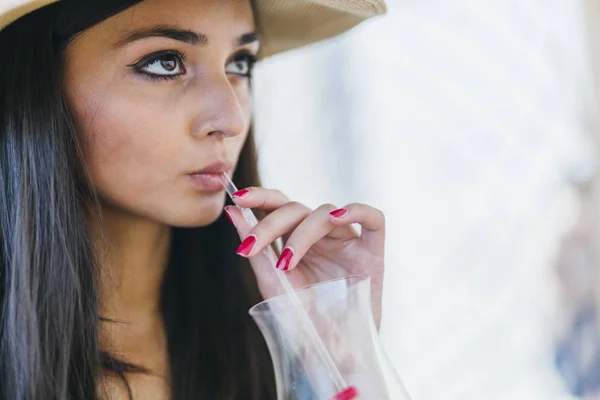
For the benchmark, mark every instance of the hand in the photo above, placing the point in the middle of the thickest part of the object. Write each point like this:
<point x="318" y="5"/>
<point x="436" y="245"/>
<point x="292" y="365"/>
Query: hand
<point x="319" y="245"/>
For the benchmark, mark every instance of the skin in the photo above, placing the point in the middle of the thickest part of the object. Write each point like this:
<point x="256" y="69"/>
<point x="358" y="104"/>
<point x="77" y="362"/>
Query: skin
<point x="142" y="138"/>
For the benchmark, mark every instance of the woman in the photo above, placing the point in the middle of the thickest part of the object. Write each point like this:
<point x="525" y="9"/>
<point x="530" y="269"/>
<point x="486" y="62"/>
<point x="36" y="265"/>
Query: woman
<point x="120" y="277"/>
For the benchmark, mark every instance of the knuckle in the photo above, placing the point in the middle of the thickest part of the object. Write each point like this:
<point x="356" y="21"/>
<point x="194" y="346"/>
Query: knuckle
<point x="264" y="228"/>
<point x="381" y="216"/>
<point x="373" y="212"/>
<point x="279" y="193"/>
<point x="297" y="205"/>
<point x="378" y="215"/>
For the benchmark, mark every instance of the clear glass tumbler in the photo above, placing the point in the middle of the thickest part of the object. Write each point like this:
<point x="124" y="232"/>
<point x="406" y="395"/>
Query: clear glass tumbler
<point x="340" y="311"/>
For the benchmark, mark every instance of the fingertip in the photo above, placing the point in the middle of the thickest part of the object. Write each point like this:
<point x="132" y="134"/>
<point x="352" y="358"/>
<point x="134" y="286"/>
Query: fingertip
<point x="285" y="260"/>
<point x="339" y="213"/>
<point x="240" y="194"/>
<point x="247" y="245"/>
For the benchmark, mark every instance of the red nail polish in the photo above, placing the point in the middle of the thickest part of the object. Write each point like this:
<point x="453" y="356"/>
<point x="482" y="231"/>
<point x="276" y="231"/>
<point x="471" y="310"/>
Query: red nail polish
<point x="347" y="394"/>
<point x="246" y="246"/>
<point x="241" y="193"/>
<point x="285" y="260"/>
<point x="229" y="215"/>
<point x="339" y="213"/>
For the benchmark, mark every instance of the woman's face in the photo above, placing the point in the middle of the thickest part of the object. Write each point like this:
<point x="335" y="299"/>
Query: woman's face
<point x="160" y="92"/>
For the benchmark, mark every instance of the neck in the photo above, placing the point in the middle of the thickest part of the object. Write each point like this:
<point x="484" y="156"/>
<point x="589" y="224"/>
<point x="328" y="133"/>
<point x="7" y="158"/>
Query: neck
<point x="133" y="255"/>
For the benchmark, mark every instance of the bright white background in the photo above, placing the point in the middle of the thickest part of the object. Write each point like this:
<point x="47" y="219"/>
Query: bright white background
<point x="463" y="120"/>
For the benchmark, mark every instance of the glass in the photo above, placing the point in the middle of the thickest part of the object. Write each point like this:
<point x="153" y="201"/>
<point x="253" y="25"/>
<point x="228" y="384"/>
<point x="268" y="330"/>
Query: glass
<point x="340" y="310"/>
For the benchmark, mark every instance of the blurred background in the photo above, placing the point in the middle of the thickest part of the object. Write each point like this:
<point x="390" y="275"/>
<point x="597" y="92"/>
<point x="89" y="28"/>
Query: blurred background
<point x="472" y="125"/>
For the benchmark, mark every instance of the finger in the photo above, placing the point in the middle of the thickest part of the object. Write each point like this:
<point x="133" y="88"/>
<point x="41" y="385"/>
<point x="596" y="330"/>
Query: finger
<point x="369" y="218"/>
<point x="314" y="228"/>
<point x="261" y="264"/>
<point x="272" y="227"/>
<point x="261" y="198"/>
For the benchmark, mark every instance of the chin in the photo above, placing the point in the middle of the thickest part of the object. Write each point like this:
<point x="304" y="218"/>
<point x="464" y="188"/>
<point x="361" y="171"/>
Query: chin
<point x="205" y="216"/>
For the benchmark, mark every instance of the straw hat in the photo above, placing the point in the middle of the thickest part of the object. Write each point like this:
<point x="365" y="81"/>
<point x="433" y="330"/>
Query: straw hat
<point x="284" y="24"/>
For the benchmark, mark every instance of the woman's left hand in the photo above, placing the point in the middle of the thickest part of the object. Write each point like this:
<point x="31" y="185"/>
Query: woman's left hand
<point x="319" y="244"/>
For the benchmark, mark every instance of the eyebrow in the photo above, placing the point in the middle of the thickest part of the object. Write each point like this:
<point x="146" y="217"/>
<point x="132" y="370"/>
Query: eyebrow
<point x="248" y="38"/>
<point x="182" y="35"/>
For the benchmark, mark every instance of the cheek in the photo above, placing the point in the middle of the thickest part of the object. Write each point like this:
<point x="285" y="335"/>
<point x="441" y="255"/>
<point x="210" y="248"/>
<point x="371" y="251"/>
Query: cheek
<point x="128" y="144"/>
<point x="244" y="97"/>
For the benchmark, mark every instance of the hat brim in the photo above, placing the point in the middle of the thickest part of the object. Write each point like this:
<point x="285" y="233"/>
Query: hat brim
<point x="282" y="24"/>
<point x="285" y="25"/>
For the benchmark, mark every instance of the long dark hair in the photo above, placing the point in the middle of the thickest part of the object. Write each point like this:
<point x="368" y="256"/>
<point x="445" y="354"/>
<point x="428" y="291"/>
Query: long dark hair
<point x="49" y="295"/>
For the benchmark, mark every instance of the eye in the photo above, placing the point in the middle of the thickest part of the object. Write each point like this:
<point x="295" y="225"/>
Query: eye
<point x="242" y="64"/>
<point x="163" y="65"/>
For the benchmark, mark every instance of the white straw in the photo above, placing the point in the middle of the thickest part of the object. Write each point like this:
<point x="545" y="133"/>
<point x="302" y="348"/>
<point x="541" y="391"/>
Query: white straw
<point x="304" y="319"/>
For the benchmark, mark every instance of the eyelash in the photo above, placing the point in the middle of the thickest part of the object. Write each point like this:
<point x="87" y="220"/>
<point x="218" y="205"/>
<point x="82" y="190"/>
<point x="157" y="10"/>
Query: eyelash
<point x="250" y="58"/>
<point x="152" y="58"/>
<point x="138" y="67"/>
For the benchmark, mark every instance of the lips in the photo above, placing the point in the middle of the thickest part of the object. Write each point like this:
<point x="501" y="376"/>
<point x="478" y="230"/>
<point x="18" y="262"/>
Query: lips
<point x="216" y="168"/>
<point x="209" y="177"/>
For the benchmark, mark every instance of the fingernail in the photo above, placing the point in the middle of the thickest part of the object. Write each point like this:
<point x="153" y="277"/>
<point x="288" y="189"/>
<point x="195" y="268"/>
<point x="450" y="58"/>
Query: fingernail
<point x="247" y="246"/>
<point x="285" y="259"/>
<point x="240" y="194"/>
<point x="347" y="394"/>
<point x="229" y="215"/>
<point x="339" y="213"/>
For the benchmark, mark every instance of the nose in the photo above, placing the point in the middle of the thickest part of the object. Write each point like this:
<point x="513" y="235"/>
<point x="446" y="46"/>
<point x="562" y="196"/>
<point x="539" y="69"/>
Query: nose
<point x="218" y="111"/>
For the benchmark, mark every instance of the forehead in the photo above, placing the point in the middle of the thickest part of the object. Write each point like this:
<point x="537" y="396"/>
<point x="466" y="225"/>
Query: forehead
<point x="214" y="18"/>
